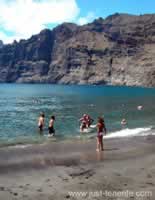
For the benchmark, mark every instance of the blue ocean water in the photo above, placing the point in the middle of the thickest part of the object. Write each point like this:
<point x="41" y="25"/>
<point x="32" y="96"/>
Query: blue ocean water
<point x="21" y="104"/>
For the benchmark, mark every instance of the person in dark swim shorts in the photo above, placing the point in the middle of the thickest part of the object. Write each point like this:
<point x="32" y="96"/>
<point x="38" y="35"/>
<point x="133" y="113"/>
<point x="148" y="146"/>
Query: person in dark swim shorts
<point x="51" y="130"/>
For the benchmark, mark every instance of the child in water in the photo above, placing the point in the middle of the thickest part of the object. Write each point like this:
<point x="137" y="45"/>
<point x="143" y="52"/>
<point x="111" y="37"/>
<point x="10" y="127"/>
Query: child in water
<point x="51" y="130"/>
<point x="101" y="129"/>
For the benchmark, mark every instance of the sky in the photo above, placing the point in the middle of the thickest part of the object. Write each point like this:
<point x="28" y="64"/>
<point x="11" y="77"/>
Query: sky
<point x="20" y="19"/>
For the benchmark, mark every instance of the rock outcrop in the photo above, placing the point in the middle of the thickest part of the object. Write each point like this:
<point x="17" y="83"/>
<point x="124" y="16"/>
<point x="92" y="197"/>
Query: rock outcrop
<point x="119" y="50"/>
<point x="1" y="44"/>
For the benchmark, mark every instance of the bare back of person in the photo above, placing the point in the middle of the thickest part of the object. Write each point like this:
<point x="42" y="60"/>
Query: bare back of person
<point x="41" y="122"/>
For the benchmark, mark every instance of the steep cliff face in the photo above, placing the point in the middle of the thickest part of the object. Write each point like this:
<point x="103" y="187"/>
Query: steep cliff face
<point x="28" y="60"/>
<point x="1" y="44"/>
<point x="119" y="50"/>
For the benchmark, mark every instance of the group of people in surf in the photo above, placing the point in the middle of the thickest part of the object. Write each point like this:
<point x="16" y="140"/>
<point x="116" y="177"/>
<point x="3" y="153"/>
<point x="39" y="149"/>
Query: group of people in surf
<point x="86" y="121"/>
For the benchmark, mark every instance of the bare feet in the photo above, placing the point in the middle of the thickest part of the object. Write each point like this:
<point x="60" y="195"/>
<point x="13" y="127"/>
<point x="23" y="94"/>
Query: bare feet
<point x="99" y="150"/>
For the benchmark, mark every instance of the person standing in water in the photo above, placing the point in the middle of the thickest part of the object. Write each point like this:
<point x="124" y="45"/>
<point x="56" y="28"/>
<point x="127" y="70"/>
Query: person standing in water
<point x="83" y="121"/>
<point x="101" y="129"/>
<point x="89" y="121"/>
<point x="51" y="130"/>
<point x="41" y="122"/>
<point x="86" y="121"/>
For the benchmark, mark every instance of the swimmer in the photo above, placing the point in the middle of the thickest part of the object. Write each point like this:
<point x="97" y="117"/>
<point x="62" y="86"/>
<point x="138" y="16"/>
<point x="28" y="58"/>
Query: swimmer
<point x="123" y="122"/>
<point x="101" y="129"/>
<point x="139" y="107"/>
<point x="51" y="130"/>
<point x="41" y="122"/>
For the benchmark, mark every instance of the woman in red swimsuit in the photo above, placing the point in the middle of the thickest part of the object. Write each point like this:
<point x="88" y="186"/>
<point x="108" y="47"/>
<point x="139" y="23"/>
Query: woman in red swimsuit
<point x="101" y="129"/>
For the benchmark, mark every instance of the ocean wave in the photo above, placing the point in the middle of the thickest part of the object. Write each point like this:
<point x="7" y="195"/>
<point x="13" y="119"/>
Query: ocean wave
<point x="131" y="132"/>
<point x="124" y="133"/>
<point x="20" y="146"/>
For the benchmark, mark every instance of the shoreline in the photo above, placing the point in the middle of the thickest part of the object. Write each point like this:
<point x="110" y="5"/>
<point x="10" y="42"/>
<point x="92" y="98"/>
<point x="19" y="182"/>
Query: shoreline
<point x="50" y="171"/>
<point x="78" y="84"/>
<point x="44" y="139"/>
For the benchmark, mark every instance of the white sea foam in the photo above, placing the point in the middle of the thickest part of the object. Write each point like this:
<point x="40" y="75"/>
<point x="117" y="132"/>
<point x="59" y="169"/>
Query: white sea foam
<point x="146" y="131"/>
<point x="20" y="146"/>
<point x="131" y="132"/>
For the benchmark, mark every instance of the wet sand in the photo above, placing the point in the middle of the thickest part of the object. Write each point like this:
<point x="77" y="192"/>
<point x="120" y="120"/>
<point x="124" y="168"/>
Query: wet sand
<point x="54" y="170"/>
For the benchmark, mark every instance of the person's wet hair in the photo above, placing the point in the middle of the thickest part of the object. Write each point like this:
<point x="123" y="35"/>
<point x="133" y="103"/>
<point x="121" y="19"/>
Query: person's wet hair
<point x="42" y="115"/>
<point x="53" y="117"/>
<point x="100" y="120"/>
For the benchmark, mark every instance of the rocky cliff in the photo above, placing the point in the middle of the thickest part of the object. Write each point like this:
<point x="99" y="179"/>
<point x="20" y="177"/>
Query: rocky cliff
<point x="1" y="43"/>
<point x="118" y="50"/>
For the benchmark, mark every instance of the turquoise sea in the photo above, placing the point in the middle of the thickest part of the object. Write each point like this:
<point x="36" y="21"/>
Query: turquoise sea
<point x="21" y="104"/>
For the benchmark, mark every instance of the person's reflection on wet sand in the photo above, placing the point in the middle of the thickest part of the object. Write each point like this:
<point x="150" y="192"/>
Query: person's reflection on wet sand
<point x="99" y="155"/>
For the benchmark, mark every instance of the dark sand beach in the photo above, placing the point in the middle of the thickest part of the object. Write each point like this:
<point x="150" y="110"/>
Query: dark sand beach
<point x="57" y="170"/>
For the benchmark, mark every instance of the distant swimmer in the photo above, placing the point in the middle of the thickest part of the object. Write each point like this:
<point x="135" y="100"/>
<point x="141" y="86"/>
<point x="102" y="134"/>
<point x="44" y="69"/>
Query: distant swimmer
<point x="101" y="129"/>
<point x="41" y="122"/>
<point x="123" y="122"/>
<point x="51" y="130"/>
<point x="139" y="107"/>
